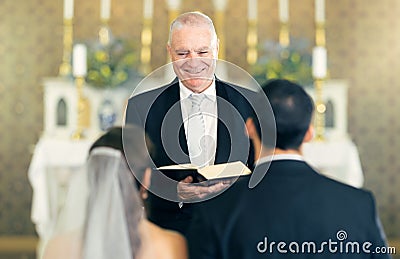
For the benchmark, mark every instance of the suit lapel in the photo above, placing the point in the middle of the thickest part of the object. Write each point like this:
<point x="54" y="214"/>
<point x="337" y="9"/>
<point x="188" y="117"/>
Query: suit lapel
<point x="224" y="118"/>
<point x="175" y="105"/>
<point x="171" y="126"/>
<point x="232" y="142"/>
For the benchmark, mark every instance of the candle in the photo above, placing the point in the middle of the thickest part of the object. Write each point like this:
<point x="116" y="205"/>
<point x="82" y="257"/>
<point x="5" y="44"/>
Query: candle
<point x="148" y="9"/>
<point x="105" y="9"/>
<point x="284" y="11"/>
<point x="173" y="4"/>
<point x="319" y="11"/>
<point x="319" y="62"/>
<point x="68" y="9"/>
<point x="252" y="9"/>
<point x="79" y="59"/>
<point x="220" y="5"/>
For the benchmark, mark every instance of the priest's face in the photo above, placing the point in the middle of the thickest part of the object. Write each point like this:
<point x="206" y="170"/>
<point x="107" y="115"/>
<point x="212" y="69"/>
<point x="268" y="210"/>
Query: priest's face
<point x="194" y="51"/>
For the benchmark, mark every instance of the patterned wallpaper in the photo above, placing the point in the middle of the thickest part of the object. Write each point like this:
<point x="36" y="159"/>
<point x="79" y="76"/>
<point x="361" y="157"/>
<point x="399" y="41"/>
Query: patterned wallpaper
<point x="363" y="46"/>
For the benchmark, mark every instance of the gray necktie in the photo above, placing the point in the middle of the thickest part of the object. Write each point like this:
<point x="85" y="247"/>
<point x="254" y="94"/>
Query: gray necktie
<point x="196" y="132"/>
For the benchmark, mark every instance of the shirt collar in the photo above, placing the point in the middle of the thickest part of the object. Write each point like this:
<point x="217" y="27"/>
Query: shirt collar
<point x="210" y="92"/>
<point x="279" y="157"/>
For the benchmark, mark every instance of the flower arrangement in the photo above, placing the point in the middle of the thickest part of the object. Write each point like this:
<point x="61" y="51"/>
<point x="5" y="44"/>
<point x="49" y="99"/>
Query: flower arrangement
<point x="292" y="63"/>
<point x="111" y="65"/>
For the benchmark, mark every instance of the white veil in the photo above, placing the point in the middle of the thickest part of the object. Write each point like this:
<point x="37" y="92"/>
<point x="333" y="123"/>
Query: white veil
<point x="113" y="211"/>
<point x="102" y="212"/>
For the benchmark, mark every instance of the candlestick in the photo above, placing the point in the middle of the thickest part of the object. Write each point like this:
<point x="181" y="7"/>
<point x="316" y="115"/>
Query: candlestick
<point x="146" y="40"/>
<point x="105" y="9"/>
<point x="284" y="11"/>
<point x="83" y="110"/>
<point x="319" y="11"/>
<point x="68" y="9"/>
<point x="79" y="60"/>
<point x="284" y="38"/>
<point x="320" y="111"/>
<point x="65" y="67"/>
<point x="252" y="40"/>
<point x="319" y="68"/>
<point x="219" y="26"/>
<point x="79" y="68"/>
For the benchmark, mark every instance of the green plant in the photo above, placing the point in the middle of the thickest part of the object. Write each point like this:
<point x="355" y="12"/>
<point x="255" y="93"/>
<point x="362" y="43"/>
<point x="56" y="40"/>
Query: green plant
<point x="292" y="63"/>
<point x="111" y="65"/>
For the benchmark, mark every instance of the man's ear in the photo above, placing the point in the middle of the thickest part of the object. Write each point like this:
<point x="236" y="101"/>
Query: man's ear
<point x="251" y="128"/>
<point x="146" y="182"/>
<point x="169" y="50"/>
<point x="254" y="137"/>
<point x="309" y="134"/>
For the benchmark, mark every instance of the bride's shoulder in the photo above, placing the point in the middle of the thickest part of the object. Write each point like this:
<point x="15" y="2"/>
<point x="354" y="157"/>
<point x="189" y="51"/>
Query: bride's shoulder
<point x="169" y="244"/>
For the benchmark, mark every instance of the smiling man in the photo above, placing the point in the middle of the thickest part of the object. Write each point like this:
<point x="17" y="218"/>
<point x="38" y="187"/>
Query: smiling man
<point x="193" y="48"/>
<point x="197" y="118"/>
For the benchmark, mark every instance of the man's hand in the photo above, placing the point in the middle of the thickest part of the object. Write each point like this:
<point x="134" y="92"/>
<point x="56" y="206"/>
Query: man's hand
<point x="192" y="192"/>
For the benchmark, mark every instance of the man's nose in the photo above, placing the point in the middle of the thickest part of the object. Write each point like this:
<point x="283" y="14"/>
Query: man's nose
<point x="193" y="54"/>
<point x="193" y="59"/>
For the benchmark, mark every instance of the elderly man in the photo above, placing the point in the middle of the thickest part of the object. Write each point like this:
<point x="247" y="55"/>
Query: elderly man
<point x="195" y="119"/>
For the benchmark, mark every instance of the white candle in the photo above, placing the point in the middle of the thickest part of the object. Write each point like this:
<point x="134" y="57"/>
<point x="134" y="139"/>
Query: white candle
<point x="320" y="11"/>
<point x="220" y="5"/>
<point x="105" y="9"/>
<point x="79" y="59"/>
<point x="252" y="9"/>
<point x="148" y="9"/>
<point x="319" y="62"/>
<point x="68" y="9"/>
<point x="284" y="11"/>
<point x="174" y="4"/>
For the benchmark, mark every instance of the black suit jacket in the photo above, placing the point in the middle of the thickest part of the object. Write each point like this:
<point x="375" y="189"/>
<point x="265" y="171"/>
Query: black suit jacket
<point x="292" y="204"/>
<point x="159" y="112"/>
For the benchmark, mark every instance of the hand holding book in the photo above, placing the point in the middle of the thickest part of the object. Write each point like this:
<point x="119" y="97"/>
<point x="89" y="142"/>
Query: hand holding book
<point x="212" y="172"/>
<point x="196" y="184"/>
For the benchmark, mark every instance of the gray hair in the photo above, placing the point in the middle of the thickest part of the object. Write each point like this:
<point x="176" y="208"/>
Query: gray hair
<point x="192" y="19"/>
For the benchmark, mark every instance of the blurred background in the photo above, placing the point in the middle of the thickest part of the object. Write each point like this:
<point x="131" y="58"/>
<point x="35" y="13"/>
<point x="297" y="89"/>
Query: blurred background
<point x="362" y="42"/>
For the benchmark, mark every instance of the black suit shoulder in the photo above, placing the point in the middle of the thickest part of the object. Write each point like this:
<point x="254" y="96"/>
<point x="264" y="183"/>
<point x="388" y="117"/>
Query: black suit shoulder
<point x="292" y="203"/>
<point x="139" y="105"/>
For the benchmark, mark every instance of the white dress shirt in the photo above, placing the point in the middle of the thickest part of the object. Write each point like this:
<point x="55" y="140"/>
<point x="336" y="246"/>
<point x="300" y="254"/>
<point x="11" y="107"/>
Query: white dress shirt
<point x="209" y="112"/>
<point x="279" y="157"/>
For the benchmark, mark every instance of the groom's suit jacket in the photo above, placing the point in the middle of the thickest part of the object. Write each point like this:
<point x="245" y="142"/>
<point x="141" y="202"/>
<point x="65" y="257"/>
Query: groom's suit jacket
<point x="292" y="205"/>
<point x="159" y="113"/>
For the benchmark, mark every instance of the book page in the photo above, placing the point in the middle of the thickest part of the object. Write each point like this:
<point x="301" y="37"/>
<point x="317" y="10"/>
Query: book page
<point x="179" y="167"/>
<point x="224" y="170"/>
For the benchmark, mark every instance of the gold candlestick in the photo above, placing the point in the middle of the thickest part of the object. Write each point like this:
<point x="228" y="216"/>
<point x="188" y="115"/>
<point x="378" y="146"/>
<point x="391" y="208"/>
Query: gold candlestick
<point x="284" y="39"/>
<point x="320" y="111"/>
<point x="219" y="24"/>
<point x="252" y="40"/>
<point x="146" y="39"/>
<point x="83" y="110"/>
<point x="172" y="15"/>
<point x="318" y="84"/>
<point x="65" y="67"/>
<point x="104" y="33"/>
<point x="320" y="39"/>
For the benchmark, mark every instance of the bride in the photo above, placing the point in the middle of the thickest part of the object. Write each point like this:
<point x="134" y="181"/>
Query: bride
<point x="103" y="216"/>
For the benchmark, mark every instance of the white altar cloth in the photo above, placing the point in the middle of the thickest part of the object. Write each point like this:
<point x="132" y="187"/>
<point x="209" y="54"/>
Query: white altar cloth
<point x="53" y="165"/>
<point x="337" y="159"/>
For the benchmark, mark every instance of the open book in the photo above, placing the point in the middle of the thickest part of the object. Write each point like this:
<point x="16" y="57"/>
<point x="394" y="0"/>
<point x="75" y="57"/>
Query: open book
<point x="211" y="172"/>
